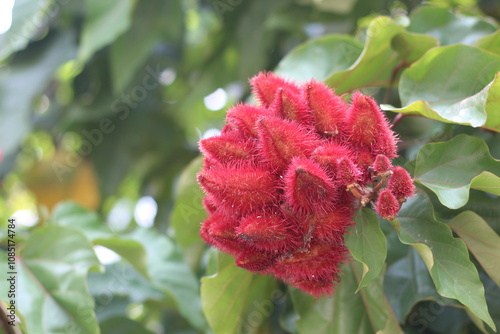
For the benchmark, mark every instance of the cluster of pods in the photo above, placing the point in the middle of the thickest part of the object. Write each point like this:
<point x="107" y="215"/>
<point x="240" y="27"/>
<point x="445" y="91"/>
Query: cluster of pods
<point x="285" y="177"/>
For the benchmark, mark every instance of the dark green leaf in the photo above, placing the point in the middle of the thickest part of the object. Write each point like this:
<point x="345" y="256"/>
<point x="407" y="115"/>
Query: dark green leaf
<point x="106" y="20"/>
<point x="367" y="245"/>
<point x="346" y="311"/>
<point x="236" y="300"/>
<point x="123" y="325"/>
<point x="407" y="282"/>
<point x="320" y="58"/>
<point x="447" y="27"/>
<point x="451" y="168"/>
<point x="412" y="46"/>
<point x="481" y="240"/>
<point x="446" y="257"/>
<point x="376" y="63"/>
<point x="455" y="84"/>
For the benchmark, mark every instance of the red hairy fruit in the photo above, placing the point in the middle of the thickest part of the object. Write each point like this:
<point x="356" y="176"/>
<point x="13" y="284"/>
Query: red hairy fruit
<point x="329" y="110"/>
<point x="307" y="187"/>
<point x="368" y="126"/>
<point x="282" y="140"/>
<point x="290" y="106"/>
<point x="268" y="232"/>
<point x="265" y="86"/>
<point x="240" y="188"/>
<point x="285" y="177"/>
<point x="382" y="165"/>
<point x="401" y="184"/>
<point x="227" y="148"/>
<point x="387" y="205"/>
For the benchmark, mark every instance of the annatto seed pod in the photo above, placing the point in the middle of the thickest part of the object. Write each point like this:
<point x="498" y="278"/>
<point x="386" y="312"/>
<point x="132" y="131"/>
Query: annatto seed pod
<point x="387" y="205"/>
<point x="285" y="177"/>
<point x="401" y="184"/>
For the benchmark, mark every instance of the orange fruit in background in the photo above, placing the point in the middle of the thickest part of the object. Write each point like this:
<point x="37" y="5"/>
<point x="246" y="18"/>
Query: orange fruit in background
<point x="64" y="177"/>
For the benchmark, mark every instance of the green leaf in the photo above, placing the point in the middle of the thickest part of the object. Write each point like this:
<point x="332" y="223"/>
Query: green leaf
<point x="451" y="168"/>
<point x="412" y="46"/>
<point x="97" y="232"/>
<point x="320" y="58"/>
<point x="28" y="17"/>
<point x="236" y="300"/>
<point x="52" y="287"/>
<point x="447" y="27"/>
<point x="106" y="20"/>
<point x="170" y="274"/>
<point x="481" y="240"/>
<point x="407" y="282"/>
<point x="149" y="25"/>
<point x="123" y="325"/>
<point x="490" y="43"/>
<point x="376" y="63"/>
<point x="453" y="84"/>
<point x="188" y="212"/>
<point x="346" y="311"/>
<point x="23" y="80"/>
<point x="446" y="257"/>
<point x="367" y="245"/>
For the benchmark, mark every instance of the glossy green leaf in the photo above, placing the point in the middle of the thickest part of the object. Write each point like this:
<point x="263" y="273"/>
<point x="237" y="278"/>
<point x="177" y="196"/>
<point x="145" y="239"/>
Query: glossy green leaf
<point x="170" y="274"/>
<point x="188" y="212"/>
<point x="98" y="233"/>
<point x="106" y="20"/>
<point x="367" y="245"/>
<point x="376" y="63"/>
<point x="236" y="300"/>
<point x="28" y="16"/>
<point x="22" y="81"/>
<point x="451" y="168"/>
<point x="346" y="311"/>
<point x="320" y="58"/>
<point x="407" y="282"/>
<point x="447" y="27"/>
<point x="481" y="240"/>
<point x="412" y="46"/>
<point x="454" y="84"/>
<point x="446" y="257"/>
<point x="52" y="292"/>
<point x="490" y="43"/>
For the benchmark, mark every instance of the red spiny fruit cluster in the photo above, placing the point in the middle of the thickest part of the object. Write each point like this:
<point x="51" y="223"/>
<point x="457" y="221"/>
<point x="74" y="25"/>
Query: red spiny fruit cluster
<point x="284" y="178"/>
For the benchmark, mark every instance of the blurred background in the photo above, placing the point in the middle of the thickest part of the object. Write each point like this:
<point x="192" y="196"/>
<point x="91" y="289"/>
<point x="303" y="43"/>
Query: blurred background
<point x="103" y="102"/>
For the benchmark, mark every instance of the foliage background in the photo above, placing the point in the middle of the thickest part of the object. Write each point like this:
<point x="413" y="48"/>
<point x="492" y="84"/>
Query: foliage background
<point x="102" y="104"/>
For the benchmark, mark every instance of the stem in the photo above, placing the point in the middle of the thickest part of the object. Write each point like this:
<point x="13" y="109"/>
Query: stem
<point x="5" y="322"/>
<point x="397" y="119"/>
<point x="394" y="74"/>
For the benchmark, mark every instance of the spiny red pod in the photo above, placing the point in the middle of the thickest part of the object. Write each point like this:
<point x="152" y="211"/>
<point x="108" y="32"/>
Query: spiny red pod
<point x="401" y="184"/>
<point x="285" y="177"/>
<point x="387" y="205"/>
